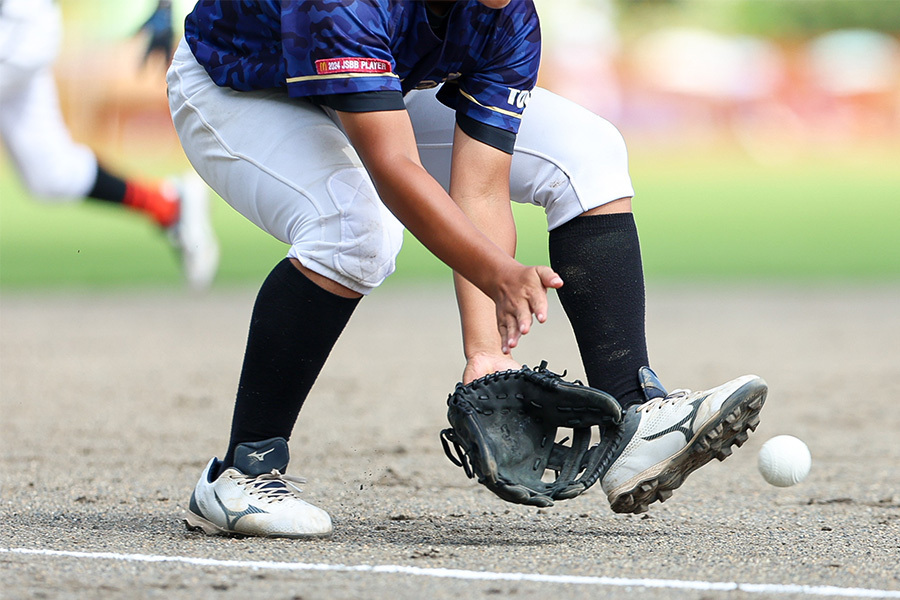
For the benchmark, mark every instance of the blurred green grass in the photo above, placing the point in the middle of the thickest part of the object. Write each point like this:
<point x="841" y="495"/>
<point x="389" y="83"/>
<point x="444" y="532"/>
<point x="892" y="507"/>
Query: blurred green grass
<point x="705" y="215"/>
<point x="828" y="214"/>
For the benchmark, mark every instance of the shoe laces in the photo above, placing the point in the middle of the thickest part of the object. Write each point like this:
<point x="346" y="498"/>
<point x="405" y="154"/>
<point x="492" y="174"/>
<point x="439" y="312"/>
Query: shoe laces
<point x="274" y="486"/>
<point x="673" y="397"/>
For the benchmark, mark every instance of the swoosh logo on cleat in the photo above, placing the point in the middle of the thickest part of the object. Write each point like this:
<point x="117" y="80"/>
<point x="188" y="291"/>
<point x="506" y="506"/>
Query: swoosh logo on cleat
<point x="260" y="457"/>
<point x="684" y="426"/>
<point x="233" y="516"/>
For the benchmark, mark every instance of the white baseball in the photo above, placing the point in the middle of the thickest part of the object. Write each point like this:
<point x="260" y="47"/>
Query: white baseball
<point x="784" y="461"/>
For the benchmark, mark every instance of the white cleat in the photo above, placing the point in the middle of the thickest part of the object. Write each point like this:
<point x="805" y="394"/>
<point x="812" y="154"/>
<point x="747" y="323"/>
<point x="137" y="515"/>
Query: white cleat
<point x="250" y="499"/>
<point x="670" y="436"/>
<point x="192" y="235"/>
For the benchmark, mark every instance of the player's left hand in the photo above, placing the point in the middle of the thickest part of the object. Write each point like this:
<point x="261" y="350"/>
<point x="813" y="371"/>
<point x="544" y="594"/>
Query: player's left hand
<point x="482" y="364"/>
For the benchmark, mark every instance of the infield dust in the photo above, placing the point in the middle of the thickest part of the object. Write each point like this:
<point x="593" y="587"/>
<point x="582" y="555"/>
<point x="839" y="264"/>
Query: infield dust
<point x="112" y="404"/>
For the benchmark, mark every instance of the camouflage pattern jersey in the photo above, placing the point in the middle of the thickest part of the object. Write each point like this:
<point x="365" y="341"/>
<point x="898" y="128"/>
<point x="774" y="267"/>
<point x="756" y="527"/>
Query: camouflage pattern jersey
<point x="486" y="59"/>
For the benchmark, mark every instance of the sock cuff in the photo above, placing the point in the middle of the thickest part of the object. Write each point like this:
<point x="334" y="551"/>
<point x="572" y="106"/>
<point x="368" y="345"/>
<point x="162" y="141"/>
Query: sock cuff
<point x="595" y="224"/>
<point x="108" y="187"/>
<point x="301" y="285"/>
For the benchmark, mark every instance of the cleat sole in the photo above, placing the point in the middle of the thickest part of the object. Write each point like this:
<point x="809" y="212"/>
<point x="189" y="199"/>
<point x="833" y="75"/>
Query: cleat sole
<point x="194" y="522"/>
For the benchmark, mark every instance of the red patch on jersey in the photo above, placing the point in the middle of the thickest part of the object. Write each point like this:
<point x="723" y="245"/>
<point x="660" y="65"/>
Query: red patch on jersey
<point x="328" y="66"/>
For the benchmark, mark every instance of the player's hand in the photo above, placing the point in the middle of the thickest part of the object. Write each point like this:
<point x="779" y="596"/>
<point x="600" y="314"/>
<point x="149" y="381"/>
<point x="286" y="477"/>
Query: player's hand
<point x="160" y="44"/>
<point x="485" y="363"/>
<point x="521" y="293"/>
<point x="160" y="33"/>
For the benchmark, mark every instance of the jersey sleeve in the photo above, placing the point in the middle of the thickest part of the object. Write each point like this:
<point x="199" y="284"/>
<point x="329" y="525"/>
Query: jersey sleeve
<point x="494" y="95"/>
<point x="337" y="48"/>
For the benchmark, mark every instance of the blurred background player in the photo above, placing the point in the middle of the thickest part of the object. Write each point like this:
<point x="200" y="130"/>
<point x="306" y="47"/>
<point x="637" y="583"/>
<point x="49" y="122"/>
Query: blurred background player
<point x="55" y="167"/>
<point x="160" y="36"/>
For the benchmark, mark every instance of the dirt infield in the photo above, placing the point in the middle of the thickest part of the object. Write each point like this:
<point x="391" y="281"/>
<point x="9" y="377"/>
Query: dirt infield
<point x="112" y="404"/>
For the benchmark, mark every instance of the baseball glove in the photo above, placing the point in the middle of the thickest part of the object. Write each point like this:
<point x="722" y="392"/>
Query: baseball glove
<point x="503" y="430"/>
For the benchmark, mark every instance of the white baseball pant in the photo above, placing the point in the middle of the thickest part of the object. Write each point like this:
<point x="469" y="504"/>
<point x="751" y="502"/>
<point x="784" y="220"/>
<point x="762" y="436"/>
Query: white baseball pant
<point x="286" y="165"/>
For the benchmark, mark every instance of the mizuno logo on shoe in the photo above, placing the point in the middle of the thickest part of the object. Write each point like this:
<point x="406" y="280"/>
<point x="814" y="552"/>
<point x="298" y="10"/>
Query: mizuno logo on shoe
<point x="260" y="457"/>
<point x="685" y="426"/>
<point x="233" y="516"/>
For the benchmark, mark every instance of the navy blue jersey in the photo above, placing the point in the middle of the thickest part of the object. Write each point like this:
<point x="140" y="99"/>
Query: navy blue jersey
<point x="486" y="59"/>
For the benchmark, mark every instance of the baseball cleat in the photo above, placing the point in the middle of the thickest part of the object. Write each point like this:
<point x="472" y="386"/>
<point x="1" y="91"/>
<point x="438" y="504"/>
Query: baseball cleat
<point x="192" y="235"/>
<point x="255" y="497"/>
<point x="671" y="435"/>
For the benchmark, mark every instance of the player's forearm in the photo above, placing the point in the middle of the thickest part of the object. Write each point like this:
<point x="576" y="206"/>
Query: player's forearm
<point x="386" y="144"/>
<point x="476" y="310"/>
<point x="479" y="186"/>
<point x="477" y="315"/>
<point x="434" y="219"/>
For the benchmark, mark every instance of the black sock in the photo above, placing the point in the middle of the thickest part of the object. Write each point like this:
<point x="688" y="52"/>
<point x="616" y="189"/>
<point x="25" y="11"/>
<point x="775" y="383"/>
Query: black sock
<point x="294" y="326"/>
<point x="108" y="187"/>
<point x="599" y="260"/>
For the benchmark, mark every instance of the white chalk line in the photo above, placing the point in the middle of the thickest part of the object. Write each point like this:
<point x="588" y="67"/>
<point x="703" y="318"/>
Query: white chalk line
<point x="724" y="586"/>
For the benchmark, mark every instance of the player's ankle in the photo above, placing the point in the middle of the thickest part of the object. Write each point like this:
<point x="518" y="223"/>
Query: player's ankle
<point x="158" y="202"/>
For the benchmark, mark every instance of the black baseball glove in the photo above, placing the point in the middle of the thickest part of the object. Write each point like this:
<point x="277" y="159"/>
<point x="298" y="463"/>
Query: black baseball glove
<point x="503" y="430"/>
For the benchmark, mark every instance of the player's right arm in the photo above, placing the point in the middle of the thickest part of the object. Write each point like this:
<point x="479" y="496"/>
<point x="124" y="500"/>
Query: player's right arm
<point x="386" y="144"/>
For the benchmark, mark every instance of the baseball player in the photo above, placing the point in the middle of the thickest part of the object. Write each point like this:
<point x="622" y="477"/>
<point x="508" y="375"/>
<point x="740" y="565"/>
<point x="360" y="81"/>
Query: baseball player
<point x="332" y="126"/>
<point x="56" y="168"/>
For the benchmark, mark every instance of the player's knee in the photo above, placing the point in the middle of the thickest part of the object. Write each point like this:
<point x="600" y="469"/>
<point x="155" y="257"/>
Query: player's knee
<point x="605" y="143"/>
<point x="370" y="241"/>
<point x="51" y="189"/>
<point x="361" y="250"/>
<point x="589" y="171"/>
<point x="370" y="235"/>
<point x="58" y="181"/>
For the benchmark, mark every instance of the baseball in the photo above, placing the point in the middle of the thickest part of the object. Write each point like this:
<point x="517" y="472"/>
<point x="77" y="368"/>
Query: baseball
<point x="784" y="461"/>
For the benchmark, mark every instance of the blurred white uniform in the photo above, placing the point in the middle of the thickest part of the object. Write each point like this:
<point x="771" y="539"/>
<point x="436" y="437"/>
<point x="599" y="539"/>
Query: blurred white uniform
<point x="51" y="164"/>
